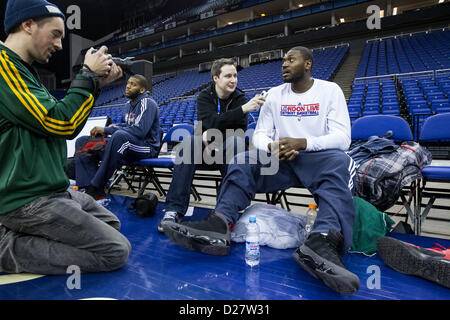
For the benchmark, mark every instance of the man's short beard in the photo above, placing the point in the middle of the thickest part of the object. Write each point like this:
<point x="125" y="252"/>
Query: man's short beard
<point x="293" y="79"/>
<point x="133" y="96"/>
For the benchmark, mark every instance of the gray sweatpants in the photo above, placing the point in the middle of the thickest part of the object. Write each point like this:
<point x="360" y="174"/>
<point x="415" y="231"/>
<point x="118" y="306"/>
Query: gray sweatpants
<point x="53" y="232"/>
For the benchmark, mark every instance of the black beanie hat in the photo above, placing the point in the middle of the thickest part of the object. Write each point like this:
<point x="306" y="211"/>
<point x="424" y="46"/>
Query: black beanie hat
<point x="18" y="11"/>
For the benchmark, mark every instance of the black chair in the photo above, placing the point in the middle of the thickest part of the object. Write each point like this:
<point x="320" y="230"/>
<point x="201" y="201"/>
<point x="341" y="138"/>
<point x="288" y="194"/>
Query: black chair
<point x="176" y="134"/>
<point x="144" y="167"/>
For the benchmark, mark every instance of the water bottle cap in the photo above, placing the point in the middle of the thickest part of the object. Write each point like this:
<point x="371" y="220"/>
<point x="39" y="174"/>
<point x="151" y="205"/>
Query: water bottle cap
<point x="313" y="206"/>
<point x="252" y="219"/>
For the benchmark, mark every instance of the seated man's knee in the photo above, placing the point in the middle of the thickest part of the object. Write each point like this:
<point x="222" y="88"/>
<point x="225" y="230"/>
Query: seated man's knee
<point x="245" y="158"/>
<point x="341" y="158"/>
<point x="117" y="256"/>
<point x="233" y="146"/>
<point x="119" y="135"/>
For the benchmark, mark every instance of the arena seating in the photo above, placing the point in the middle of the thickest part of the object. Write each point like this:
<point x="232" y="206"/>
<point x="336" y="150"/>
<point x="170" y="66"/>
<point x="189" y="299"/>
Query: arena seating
<point x="406" y="53"/>
<point x="179" y="86"/>
<point x="268" y="74"/>
<point x="425" y="96"/>
<point x="187" y="85"/>
<point x="375" y="97"/>
<point x="415" y="96"/>
<point x="178" y="15"/>
<point x="115" y="113"/>
<point x="165" y="87"/>
<point x="397" y="75"/>
<point x="112" y="94"/>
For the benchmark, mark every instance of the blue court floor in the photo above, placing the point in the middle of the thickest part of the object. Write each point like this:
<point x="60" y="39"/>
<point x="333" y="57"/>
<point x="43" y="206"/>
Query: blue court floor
<point x="158" y="269"/>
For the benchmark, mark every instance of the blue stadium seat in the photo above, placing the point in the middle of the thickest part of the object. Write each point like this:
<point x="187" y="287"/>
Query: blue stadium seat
<point x="175" y="134"/>
<point x="378" y="125"/>
<point x="440" y="104"/>
<point x="435" y="129"/>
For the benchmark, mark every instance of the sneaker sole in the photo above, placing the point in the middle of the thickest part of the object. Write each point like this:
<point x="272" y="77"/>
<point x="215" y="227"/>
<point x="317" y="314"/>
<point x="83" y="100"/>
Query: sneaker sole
<point x="343" y="281"/>
<point x="409" y="260"/>
<point x="163" y="223"/>
<point x="187" y="238"/>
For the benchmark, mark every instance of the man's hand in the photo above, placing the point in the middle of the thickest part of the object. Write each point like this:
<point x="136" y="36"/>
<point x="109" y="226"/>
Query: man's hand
<point x="289" y="155"/>
<point x="287" y="148"/>
<point x="97" y="131"/>
<point x="113" y="75"/>
<point x="274" y="148"/>
<point x="99" y="62"/>
<point x="254" y="104"/>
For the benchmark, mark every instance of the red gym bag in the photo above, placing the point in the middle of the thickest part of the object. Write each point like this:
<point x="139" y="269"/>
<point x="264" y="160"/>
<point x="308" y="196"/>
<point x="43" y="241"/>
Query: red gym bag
<point x="93" y="145"/>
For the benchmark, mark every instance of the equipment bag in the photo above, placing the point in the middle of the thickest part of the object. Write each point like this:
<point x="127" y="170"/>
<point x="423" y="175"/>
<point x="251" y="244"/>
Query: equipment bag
<point x="93" y="145"/>
<point x="145" y="205"/>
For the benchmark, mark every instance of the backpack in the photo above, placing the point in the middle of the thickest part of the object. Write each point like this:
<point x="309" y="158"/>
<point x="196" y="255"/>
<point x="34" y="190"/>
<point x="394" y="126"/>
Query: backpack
<point x="93" y="145"/>
<point x="145" y="205"/>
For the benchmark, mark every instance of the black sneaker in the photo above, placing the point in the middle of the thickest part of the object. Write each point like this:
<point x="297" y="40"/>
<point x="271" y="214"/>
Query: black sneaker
<point x="321" y="257"/>
<point x="210" y="236"/>
<point x="432" y="264"/>
<point x="169" y="216"/>
<point x="96" y="193"/>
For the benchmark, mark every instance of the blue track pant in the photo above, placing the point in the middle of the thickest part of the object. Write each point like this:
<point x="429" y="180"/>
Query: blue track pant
<point x="328" y="175"/>
<point x="121" y="148"/>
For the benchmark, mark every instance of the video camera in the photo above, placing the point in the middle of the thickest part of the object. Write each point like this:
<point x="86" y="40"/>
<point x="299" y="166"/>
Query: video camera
<point x="128" y="65"/>
<point x="131" y="67"/>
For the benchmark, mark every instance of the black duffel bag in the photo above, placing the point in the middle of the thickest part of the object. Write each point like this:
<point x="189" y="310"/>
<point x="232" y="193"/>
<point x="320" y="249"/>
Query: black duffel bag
<point x="145" y="205"/>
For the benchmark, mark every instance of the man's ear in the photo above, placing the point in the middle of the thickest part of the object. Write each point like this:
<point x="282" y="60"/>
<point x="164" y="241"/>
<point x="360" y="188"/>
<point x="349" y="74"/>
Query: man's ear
<point x="27" y="25"/>
<point x="215" y="78"/>
<point x="142" y="90"/>
<point x="308" y="65"/>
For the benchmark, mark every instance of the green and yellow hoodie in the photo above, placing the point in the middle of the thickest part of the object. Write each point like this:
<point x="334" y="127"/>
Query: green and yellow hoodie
<point x="33" y="151"/>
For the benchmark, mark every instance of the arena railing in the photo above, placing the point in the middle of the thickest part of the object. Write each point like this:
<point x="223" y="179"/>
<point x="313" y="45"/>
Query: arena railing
<point x="407" y="34"/>
<point x="397" y="76"/>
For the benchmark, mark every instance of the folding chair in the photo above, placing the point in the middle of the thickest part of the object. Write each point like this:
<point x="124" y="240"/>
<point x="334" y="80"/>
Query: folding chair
<point x="175" y="134"/>
<point x="435" y="131"/>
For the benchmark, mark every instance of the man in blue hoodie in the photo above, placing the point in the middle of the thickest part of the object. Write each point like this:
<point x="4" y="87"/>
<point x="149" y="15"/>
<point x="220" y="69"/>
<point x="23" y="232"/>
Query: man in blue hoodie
<point x="137" y="138"/>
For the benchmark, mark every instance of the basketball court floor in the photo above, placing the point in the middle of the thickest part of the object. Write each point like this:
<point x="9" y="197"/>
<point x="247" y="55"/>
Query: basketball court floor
<point x="157" y="269"/>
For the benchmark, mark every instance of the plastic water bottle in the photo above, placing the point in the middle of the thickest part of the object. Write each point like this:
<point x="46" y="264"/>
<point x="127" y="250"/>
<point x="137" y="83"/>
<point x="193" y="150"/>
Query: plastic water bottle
<point x="252" y="242"/>
<point x="72" y="183"/>
<point x="252" y="289"/>
<point x="311" y="215"/>
<point x="104" y="202"/>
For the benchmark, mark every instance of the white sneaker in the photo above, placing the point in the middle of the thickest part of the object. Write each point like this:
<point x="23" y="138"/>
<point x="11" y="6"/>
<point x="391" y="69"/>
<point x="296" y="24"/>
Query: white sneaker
<point x="169" y="216"/>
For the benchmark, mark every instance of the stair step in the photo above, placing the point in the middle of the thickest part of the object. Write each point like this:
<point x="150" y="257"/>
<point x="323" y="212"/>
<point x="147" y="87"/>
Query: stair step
<point x="346" y="74"/>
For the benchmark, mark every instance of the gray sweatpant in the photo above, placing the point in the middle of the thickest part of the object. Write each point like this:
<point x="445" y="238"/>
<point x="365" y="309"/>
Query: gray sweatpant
<point x="53" y="232"/>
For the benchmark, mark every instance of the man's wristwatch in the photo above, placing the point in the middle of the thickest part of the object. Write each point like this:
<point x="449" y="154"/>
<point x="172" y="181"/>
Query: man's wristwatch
<point x="90" y="81"/>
